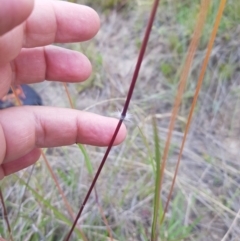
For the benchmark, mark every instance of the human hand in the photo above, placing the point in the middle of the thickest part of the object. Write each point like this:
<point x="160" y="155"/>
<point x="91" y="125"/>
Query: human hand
<point x="26" y="30"/>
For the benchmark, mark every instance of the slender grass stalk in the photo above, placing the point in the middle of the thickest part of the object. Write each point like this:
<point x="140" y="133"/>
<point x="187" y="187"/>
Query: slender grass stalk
<point x="25" y="188"/>
<point x="155" y="231"/>
<point x="90" y="171"/>
<point x="148" y="149"/>
<point x="103" y="216"/>
<point x="199" y="84"/>
<point x="69" y="208"/>
<point x="182" y="83"/>
<point x="124" y="112"/>
<point x="86" y="158"/>
<point x="232" y="225"/>
<point x="5" y="214"/>
<point x="68" y="95"/>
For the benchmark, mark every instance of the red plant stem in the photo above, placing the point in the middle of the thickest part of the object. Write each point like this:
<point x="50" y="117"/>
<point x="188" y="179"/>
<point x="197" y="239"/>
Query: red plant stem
<point x="96" y="195"/>
<point x="124" y="112"/>
<point x="140" y="57"/>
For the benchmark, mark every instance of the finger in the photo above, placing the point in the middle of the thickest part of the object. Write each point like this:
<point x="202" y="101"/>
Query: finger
<point x="26" y="128"/>
<point x="13" y="13"/>
<point x="21" y="163"/>
<point x="50" y="63"/>
<point x="63" y="22"/>
<point x="5" y="79"/>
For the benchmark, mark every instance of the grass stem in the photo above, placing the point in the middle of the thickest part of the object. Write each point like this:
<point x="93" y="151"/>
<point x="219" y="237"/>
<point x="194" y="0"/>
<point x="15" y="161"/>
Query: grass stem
<point x="198" y="88"/>
<point x="124" y="112"/>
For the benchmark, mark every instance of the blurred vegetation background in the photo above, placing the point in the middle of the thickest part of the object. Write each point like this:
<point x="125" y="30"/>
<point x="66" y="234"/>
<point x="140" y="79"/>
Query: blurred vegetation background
<point x="206" y="201"/>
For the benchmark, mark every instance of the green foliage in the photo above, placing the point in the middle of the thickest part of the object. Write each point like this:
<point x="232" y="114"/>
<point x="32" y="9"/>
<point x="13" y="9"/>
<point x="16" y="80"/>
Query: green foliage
<point x="231" y="16"/>
<point x="48" y="206"/>
<point x="89" y="49"/>
<point x="176" y="44"/>
<point x="67" y="177"/>
<point x="167" y="69"/>
<point x="173" y="227"/>
<point x="186" y="15"/>
<point x="226" y="71"/>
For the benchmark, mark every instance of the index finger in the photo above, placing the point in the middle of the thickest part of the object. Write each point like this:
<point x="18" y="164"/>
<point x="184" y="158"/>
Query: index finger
<point x="24" y="128"/>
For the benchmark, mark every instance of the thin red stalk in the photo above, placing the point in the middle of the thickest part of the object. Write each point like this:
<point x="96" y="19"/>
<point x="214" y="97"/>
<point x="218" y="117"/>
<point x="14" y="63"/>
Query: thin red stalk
<point x="140" y="57"/>
<point x="182" y="83"/>
<point x="124" y="112"/>
<point x="95" y="179"/>
<point x="199" y="84"/>
<point x="96" y="194"/>
<point x="6" y="216"/>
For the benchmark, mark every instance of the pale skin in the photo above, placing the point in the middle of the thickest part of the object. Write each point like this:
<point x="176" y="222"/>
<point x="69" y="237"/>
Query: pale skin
<point x="27" y="29"/>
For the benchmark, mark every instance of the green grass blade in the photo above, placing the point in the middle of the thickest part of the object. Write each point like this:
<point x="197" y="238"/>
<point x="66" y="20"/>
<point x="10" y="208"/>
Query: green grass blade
<point x="148" y="149"/>
<point x="86" y="158"/>
<point x="155" y="230"/>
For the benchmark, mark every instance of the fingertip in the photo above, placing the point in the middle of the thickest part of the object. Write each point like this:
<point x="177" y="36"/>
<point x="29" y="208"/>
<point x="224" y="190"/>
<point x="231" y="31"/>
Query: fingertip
<point x="98" y="130"/>
<point x="13" y="13"/>
<point x="81" y="68"/>
<point x="71" y="66"/>
<point x="81" y="25"/>
<point x="95" y="21"/>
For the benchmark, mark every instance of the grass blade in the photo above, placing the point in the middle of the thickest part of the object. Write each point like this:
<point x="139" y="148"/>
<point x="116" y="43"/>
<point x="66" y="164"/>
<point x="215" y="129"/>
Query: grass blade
<point x="182" y="83"/>
<point x="199" y="84"/>
<point x="154" y="233"/>
<point x="86" y="158"/>
<point x="90" y="171"/>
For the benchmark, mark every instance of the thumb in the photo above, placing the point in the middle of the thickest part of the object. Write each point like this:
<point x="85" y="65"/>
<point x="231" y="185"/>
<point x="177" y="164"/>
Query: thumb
<point x="13" y="13"/>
